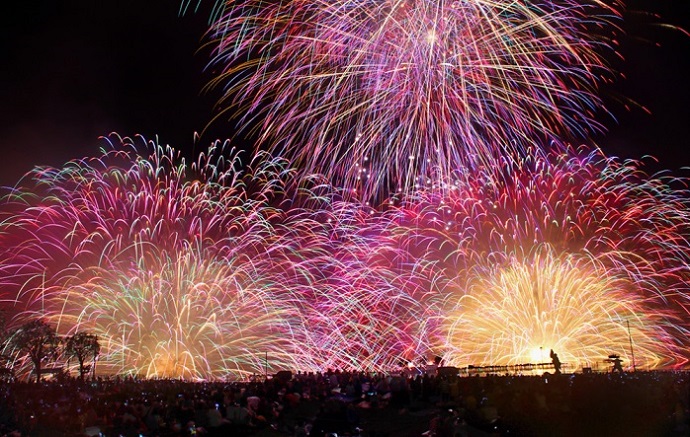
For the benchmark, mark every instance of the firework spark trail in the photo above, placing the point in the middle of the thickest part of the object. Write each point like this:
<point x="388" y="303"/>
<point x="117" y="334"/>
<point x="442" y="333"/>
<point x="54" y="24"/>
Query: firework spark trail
<point x="576" y="236"/>
<point x="390" y="92"/>
<point x="93" y="209"/>
<point x="198" y="271"/>
<point x="181" y="317"/>
<point x="516" y="313"/>
<point x="165" y="262"/>
<point x="362" y="309"/>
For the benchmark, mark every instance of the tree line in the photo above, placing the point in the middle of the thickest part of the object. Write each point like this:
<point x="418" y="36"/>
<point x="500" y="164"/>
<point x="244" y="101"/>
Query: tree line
<point x="38" y="342"/>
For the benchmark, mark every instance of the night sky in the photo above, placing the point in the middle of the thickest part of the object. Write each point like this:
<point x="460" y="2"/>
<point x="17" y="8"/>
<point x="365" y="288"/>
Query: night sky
<point x="74" y="70"/>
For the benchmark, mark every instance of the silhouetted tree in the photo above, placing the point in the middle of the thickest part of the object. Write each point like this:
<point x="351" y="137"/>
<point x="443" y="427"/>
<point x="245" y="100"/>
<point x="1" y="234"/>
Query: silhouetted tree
<point x="82" y="346"/>
<point x="39" y="341"/>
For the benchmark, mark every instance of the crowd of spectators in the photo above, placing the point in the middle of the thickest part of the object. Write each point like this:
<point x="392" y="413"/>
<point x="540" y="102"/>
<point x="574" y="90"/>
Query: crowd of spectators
<point x="350" y="403"/>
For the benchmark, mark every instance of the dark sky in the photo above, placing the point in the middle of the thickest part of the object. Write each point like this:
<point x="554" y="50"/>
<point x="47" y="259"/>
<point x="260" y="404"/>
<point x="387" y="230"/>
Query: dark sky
<point x="74" y="70"/>
<point x="77" y="69"/>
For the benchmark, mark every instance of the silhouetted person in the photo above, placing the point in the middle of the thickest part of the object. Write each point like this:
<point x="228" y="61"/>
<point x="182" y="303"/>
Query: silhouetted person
<point x="616" y="360"/>
<point x="556" y="362"/>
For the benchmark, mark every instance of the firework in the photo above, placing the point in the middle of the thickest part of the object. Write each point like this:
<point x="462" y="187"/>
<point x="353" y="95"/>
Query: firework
<point x="383" y="94"/>
<point x="165" y="262"/>
<point x="363" y="308"/>
<point x="515" y="313"/>
<point x="204" y="271"/>
<point x="183" y="317"/>
<point x="577" y="253"/>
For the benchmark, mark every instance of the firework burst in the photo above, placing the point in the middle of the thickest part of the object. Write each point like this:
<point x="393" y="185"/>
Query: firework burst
<point x="168" y="264"/>
<point x="355" y="295"/>
<point x="204" y="271"/>
<point x="564" y="254"/>
<point x="516" y="313"/>
<point x="183" y="317"/>
<point x="200" y="271"/>
<point x="382" y="94"/>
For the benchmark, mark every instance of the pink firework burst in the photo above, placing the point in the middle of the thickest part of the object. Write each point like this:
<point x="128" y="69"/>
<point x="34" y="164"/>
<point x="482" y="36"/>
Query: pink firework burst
<point x="382" y="94"/>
